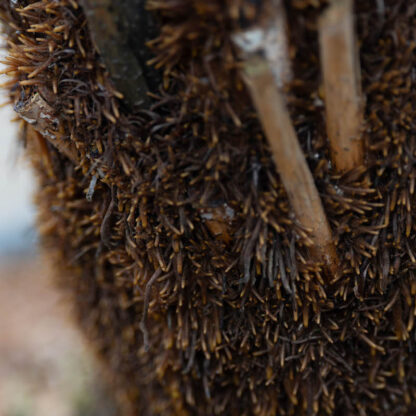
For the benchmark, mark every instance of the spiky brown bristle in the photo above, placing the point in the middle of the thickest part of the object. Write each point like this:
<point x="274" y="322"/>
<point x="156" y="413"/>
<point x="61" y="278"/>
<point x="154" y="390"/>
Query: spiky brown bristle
<point x="189" y="272"/>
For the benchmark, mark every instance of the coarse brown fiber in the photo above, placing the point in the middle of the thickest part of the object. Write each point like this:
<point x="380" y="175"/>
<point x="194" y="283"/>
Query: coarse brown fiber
<point x="170" y="226"/>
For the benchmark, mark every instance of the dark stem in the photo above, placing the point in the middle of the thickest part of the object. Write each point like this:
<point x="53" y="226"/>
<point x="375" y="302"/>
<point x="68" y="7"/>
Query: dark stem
<point x="120" y="30"/>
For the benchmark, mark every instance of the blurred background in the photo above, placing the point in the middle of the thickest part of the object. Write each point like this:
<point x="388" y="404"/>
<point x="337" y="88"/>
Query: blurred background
<point x="45" y="367"/>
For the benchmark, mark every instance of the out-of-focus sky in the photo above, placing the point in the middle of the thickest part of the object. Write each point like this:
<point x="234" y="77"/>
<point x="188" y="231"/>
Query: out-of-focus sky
<point x="16" y="187"/>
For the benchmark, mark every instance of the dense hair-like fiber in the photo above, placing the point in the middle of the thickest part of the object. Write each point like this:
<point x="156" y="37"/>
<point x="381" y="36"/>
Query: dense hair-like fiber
<point x="171" y="228"/>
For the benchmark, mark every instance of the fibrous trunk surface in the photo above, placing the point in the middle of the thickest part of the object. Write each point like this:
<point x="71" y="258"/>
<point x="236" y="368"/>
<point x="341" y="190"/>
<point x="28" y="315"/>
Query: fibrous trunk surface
<point x="169" y="223"/>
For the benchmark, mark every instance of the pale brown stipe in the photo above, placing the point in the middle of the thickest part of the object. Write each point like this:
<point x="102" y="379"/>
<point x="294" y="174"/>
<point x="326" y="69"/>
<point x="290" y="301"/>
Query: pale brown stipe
<point x="343" y="96"/>
<point x="289" y="159"/>
<point x="264" y="49"/>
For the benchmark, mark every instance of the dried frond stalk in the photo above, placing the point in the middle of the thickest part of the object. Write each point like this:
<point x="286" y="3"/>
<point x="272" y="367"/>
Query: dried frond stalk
<point x="289" y="159"/>
<point x="343" y="96"/>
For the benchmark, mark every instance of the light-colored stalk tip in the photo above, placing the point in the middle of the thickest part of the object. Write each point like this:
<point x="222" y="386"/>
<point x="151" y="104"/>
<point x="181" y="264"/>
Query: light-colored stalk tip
<point x="343" y="95"/>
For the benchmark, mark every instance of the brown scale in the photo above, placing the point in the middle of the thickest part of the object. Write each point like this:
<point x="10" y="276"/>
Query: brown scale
<point x="172" y="230"/>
